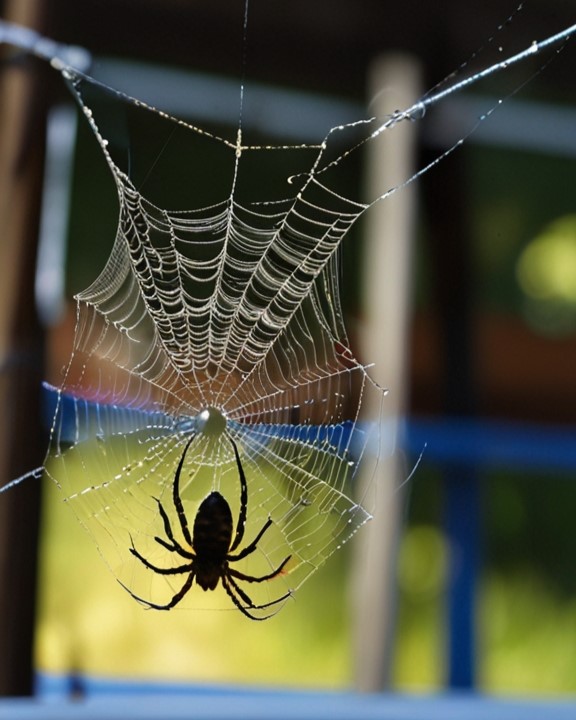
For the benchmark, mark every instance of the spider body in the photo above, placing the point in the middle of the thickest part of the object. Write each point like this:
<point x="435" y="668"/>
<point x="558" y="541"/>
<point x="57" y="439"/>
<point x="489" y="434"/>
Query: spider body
<point x="211" y="539"/>
<point x="211" y="547"/>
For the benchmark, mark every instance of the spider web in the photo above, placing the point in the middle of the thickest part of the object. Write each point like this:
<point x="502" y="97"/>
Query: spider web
<point x="221" y="319"/>
<point x="218" y="320"/>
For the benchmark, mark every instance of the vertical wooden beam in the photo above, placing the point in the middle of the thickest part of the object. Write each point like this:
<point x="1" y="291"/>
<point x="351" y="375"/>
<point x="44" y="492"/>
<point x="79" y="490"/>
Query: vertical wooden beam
<point x="22" y="131"/>
<point x="394" y="84"/>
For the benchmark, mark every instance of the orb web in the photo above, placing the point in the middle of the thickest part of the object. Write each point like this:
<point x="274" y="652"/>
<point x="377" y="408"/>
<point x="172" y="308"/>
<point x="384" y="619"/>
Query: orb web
<point x="224" y="321"/>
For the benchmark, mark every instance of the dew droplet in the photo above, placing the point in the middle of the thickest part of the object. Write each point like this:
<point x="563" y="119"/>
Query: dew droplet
<point x="417" y="112"/>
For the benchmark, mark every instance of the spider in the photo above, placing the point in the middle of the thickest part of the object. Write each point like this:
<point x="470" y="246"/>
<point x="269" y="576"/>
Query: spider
<point x="210" y="549"/>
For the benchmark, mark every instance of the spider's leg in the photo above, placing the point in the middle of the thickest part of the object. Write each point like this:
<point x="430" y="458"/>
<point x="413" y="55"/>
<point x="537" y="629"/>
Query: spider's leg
<point x="166" y="521"/>
<point x="243" y="500"/>
<point x="232" y="588"/>
<point x="176" y="495"/>
<point x="246" y="599"/>
<point x="173" y="545"/>
<point x="165" y="544"/>
<point x="262" y="578"/>
<point x="230" y="592"/>
<point x="175" y="600"/>
<point x="252" y="546"/>
<point x="159" y="570"/>
<point x="167" y="529"/>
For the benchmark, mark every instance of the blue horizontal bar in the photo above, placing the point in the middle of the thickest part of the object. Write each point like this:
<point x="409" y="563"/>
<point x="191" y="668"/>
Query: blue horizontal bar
<point x="139" y="700"/>
<point x="476" y="442"/>
<point x="493" y="444"/>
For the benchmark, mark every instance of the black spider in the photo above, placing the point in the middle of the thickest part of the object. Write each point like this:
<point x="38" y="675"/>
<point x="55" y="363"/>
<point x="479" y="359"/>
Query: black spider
<point x="210" y="549"/>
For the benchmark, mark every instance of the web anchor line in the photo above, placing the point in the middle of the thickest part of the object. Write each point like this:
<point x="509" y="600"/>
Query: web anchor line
<point x="79" y="60"/>
<point x="36" y="474"/>
<point x="536" y="47"/>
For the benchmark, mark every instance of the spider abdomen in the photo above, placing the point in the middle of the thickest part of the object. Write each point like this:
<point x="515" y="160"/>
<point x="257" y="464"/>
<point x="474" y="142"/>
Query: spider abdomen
<point x="211" y="539"/>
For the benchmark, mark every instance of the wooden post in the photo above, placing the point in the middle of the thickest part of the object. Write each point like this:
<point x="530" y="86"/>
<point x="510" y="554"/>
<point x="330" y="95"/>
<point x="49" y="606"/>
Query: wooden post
<point x="394" y="84"/>
<point x="22" y="130"/>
